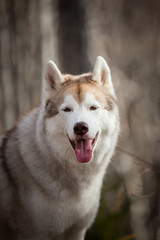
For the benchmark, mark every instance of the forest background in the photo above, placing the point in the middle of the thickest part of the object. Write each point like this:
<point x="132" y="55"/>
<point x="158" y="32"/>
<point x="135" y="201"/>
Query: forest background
<point x="73" y="33"/>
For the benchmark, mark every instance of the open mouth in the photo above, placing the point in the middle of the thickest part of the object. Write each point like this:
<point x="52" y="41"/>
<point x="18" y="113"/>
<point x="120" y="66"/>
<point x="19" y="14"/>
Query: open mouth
<point x="83" y="148"/>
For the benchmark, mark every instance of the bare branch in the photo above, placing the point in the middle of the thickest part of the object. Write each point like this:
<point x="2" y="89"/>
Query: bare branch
<point x="144" y="196"/>
<point x="152" y="167"/>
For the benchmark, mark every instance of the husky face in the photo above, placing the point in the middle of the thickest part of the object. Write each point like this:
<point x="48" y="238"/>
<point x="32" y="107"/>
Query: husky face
<point x="83" y="108"/>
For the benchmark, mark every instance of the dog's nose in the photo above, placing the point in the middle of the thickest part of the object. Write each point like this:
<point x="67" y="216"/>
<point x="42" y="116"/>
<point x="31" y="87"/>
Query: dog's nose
<point x="80" y="128"/>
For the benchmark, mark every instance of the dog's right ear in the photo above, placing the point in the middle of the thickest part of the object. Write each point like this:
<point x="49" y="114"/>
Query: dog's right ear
<point x="52" y="79"/>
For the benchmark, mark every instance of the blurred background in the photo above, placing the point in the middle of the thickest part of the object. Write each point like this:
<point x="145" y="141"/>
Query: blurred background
<point x="73" y="33"/>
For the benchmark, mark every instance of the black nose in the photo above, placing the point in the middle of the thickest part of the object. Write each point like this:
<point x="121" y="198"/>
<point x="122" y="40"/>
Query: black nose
<point x="80" y="128"/>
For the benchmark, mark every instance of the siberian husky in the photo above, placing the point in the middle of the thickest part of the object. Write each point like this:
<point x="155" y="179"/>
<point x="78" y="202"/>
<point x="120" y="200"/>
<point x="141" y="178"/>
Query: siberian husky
<point x="53" y="161"/>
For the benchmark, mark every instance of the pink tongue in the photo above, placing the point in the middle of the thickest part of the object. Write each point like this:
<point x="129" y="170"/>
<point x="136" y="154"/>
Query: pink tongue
<point x="83" y="150"/>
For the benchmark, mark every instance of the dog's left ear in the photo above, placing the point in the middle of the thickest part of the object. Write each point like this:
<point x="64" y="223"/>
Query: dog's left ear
<point x="102" y="75"/>
<point x="52" y="79"/>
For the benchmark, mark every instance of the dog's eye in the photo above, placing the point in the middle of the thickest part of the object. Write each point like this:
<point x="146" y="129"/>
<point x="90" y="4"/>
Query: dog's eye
<point x="92" y="108"/>
<point x="67" y="109"/>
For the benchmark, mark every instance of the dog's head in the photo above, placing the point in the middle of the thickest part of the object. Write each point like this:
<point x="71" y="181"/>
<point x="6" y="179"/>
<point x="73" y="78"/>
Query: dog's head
<point x="81" y="111"/>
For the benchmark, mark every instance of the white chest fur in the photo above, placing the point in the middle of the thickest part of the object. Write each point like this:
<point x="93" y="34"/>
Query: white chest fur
<point x="56" y="216"/>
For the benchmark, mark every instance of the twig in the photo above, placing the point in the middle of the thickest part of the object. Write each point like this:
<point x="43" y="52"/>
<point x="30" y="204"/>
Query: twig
<point x="144" y="196"/>
<point x="152" y="167"/>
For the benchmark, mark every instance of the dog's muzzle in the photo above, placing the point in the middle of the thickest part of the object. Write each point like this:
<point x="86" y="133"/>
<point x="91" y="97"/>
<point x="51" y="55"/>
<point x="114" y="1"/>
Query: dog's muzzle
<point x="83" y="146"/>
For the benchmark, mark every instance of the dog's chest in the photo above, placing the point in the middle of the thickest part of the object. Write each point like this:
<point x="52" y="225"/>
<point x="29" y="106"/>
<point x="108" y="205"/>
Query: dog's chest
<point x="66" y="209"/>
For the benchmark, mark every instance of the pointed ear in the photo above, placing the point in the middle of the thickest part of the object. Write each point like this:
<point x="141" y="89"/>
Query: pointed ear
<point x="52" y="79"/>
<point x="102" y="75"/>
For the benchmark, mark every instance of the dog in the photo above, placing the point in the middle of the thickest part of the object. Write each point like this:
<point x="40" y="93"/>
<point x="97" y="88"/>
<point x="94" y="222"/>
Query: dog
<point x="52" y="163"/>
